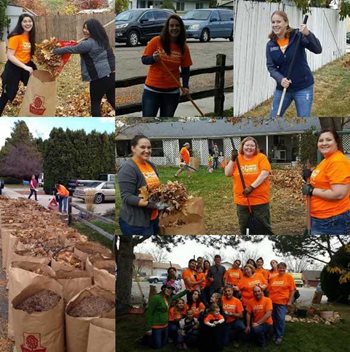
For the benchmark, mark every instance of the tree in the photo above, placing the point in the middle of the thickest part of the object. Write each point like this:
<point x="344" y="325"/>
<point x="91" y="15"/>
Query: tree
<point x="37" y="6"/>
<point x="90" y="4"/>
<point x="308" y="151"/>
<point x="167" y="4"/>
<point x="4" y="19"/>
<point x="298" y="265"/>
<point x="121" y="5"/>
<point x="20" y="157"/>
<point x="159" y="255"/>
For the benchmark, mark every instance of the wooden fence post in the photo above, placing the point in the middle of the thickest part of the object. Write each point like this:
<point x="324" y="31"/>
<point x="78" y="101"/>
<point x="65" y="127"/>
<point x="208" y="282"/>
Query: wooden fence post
<point x="219" y="97"/>
<point x="69" y="211"/>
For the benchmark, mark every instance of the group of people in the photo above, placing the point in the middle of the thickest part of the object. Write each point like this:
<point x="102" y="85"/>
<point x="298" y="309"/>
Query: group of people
<point x="327" y="190"/>
<point x="97" y="61"/>
<point x="222" y="306"/>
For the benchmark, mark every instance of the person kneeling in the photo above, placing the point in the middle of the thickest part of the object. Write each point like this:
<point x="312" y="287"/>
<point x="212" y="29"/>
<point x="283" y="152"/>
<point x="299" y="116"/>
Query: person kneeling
<point x="188" y="331"/>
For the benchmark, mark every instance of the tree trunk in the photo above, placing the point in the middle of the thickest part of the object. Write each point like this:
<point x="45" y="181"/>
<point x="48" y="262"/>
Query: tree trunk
<point x="125" y="258"/>
<point x="331" y="122"/>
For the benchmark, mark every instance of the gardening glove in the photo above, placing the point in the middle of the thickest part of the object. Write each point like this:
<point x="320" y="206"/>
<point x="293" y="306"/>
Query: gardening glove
<point x="248" y="190"/>
<point x="157" y="205"/>
<point x="307" y="189"/>
<point x="234" y="155"/>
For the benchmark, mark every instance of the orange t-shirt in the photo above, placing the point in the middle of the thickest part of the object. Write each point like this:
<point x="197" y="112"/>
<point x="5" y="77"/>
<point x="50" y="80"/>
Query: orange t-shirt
<point x="211" y="317"/>
<point x="202" y="284"/>
<point x="197" y="310"/>
<point x="207" y="282"/>
<point x="283" y="43"/>
<point x="247" y="284"/>
<point x="272" y="274"/>
<point x="188" y="275"/>
<point x="232" y="276"/>
<point x="21" y="45"/>
<point x="175" y="315"/>
<point x="62" y="191"/>
<point x="151" y="178"/>
<point x="263" y="272"/>
<point x="259" y="308"/>
<point x="280" y="288"/>
<point x="251" y="170"/>
<point x="232" y="305"/>
<point x="334" y="169"/>
<point x="185" y="155"/>
<point x="158" y="76"/>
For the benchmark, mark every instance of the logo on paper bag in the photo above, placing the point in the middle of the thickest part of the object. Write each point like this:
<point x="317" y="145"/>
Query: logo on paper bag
<point x="37" y="106"/>
<point x="32" y="343"/>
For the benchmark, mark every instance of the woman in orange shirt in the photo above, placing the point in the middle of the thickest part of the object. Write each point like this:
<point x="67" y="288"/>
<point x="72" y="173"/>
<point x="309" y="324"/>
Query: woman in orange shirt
<point x="20" y="50"/>
<point x="273" y="272"/>
<point x="195" y="304"/>
<point x="329" y="188"/>
<point x="164" y="53"/>
<point x="256" y="170"/>
<point x="176" y="313"/>
<point x="138" y="216"/>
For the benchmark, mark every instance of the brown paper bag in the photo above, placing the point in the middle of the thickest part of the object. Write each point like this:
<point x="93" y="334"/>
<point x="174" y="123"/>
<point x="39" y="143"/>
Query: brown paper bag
<point x="190" y="221"/>
<point x="77" y="328"/>
<point x="21" y="275"/>
<point x="102" y="274"/>
<point x="73" y="282"/>
<point x="39" y="331"/>
<point x="94" y="249"/>
<point x="101" y="335"/>
<point x="40" y="96"/>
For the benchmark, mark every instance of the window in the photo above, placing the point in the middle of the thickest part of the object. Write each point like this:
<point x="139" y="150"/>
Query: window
<point x="161" y="15"/>
<point x="157" y="148"/>
<point x="108" y="185"/>
<point x="226" y="15"/>
<point x="214" y="16"/>
<point x="123" y="148"/>
<point x="148" y="16"/>
<point x="199" y="5"/>
<point x="180" y="6"/>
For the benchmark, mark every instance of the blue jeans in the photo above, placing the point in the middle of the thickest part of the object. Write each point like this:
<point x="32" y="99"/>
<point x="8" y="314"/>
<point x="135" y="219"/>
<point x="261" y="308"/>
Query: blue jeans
<point x="62" y="203"/>
<point x="303" y="99"/>
<point x="279" y="312"/>
<point x="159" y="337"/>
<point x="335" y="225"/>
<point x="153" y="101"/>
<point x="129" y="230"/>
<point x="237" y="326"/>
<point x="260" y="333"/>
<point x="173" y="328"/>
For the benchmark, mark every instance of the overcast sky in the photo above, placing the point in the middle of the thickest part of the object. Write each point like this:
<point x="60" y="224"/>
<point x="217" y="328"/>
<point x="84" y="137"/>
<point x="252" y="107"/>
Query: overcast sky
<point x="42" y="126"/>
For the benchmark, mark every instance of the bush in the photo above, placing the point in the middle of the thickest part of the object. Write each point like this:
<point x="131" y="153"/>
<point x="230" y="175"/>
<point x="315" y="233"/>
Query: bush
<point x="335" y="277"/>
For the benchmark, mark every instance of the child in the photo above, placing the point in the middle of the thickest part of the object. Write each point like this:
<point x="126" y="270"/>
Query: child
<point x="214" y="317"/>
<point x="188" y="331"/>
<point x="176" y="313"/>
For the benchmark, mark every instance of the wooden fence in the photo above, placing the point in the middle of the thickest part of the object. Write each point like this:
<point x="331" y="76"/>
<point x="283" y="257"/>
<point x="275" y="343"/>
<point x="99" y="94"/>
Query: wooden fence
<point x="69" y="27"/>
<point x="218" y="92"/>
<point x="251" y="80"/>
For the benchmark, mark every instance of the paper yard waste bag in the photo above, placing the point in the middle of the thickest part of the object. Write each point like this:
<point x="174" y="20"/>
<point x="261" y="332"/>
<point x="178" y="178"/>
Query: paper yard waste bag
<point x="40" y="98"/>
<point x="101" y="335"/>
<point x="89" y="304"/>
<point x="39" y="331"/>
<point x="104" y="274"/>
<point x="21" y="275"/>
<point x="189" y="221"/>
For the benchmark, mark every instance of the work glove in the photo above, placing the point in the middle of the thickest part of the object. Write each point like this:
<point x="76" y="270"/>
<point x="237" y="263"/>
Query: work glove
<point x="248" y="190"/>
<point x="307" y="189"/>
<point x="234" y="155"/>
<point x="157" y="205"/>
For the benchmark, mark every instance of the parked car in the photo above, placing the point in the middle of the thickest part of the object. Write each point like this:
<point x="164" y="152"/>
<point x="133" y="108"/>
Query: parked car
<point x="204" y="24"/>
<point x="107" y="177"/>
<point x="157" y="278"/>
<point x="139" y="25"/>
<point x="348" y="37"/>
<point x="2" y="185"/>
<point x="73" y="184"/>
<point x="41" y="180"/>
<point x="103" y="191"/>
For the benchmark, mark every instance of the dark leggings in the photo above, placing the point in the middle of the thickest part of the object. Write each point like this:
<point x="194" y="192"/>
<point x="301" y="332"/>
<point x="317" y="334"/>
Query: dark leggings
<point x="99" y="88"/>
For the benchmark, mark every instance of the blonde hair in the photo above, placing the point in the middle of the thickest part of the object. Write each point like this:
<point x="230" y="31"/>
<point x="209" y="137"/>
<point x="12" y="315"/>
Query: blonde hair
<point x="245" y="140"/>
<point x="289" y="30"/>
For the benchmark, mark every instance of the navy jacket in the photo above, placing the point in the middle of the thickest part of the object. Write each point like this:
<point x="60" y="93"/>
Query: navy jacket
<point x="278" y="63"/>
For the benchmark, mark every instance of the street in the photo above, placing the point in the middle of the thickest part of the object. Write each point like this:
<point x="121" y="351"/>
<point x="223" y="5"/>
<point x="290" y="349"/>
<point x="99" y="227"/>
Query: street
<point x="203" y="55"/>
<point x="44" y="199"/>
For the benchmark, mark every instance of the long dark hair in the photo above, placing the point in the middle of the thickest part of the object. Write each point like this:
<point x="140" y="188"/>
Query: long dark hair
<point x="19" y="30"/>
<point x="165" y="36"/>
<point x="97" y="32"/>
<point x="191" y="301"/>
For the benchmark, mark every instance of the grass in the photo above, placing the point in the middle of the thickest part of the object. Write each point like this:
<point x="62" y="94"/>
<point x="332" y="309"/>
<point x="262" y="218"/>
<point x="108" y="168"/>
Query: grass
<point x="300" y="337"/>
<point x="331" y="93"/>
<point x="219" y="210"/>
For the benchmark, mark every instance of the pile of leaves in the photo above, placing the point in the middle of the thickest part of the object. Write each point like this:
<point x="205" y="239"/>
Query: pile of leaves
<point x="173" y="194"/>
<point x="42" y="301"/>
<point x="67" y="256"/>
<point x="92" y="306"/>
<point x="45" y="57"/>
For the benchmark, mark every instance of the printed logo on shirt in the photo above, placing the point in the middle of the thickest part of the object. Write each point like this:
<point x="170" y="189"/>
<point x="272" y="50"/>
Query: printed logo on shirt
<point x="26" y="47"/>
<point x="254" y="283"/>
<point x="277" y="283"/>
<point x="258" y="307"/>
<point x="274" y="48"/>
<point x="249" y="169"/>
<point x="314" y="174"/>
<point x="229" y="306"/>
<point x="174" y="57"/>
<point x="234" y="274"/>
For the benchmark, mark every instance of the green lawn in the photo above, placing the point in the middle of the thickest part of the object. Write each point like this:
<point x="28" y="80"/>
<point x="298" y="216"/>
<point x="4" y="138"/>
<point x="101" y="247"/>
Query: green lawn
<point x="300" y="337"/>
<point x="220" y="212"/>
<point x="331" y="94"/>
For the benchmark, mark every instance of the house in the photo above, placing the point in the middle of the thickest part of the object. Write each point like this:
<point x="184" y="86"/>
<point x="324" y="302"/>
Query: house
<point x="311" y="277"/>
<point x="143" y="264"/>
<point x="277" y="138"/>
<point x="179" y="5"/>
<point x="160" y="268"/>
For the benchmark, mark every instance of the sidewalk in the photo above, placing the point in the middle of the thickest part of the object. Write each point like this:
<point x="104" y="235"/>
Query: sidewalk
<point x="186" y="109"/>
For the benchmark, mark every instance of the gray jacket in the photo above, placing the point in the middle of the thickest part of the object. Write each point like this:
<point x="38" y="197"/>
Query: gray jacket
<point x="96" y="62"/>
<point x="130" y="180"/>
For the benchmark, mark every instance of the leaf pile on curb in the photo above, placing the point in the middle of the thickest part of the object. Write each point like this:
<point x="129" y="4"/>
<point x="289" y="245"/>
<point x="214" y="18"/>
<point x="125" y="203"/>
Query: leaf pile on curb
<point x="289" y="179"/>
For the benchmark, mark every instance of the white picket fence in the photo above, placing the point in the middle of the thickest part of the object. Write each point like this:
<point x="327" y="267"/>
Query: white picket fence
<point x="251" y="80"/>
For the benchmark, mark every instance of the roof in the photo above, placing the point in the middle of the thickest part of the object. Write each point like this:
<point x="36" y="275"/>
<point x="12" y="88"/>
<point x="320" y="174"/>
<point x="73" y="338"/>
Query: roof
<point x="143" y="256"/>
<point x="165" y="266"/>
<point x="311" y="274"/>
<point x="219" y="129"/>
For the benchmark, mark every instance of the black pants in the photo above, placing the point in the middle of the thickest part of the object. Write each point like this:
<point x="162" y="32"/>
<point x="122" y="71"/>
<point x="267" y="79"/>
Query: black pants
<point x="11" y="77"/>
<point x="99" y="88"/>
<point x="33" y="191"/>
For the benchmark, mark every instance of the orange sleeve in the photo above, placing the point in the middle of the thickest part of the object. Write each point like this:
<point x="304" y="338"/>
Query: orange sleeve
<point x="13" y="43"/>
<point x="338" y="172"/>
<point x="171" y="314"/>
<point x="186" y="60"/>
<point x="208" y="318"/>
<point x="152" y="46"/>
<point x="239" y="306"/>
<point x="264" y="163"/>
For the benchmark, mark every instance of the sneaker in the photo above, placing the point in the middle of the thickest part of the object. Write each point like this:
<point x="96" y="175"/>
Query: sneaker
<point x="278" y="340"/>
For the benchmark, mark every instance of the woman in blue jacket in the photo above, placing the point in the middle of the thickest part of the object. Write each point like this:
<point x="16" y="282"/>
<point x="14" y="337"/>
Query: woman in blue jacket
<point x="279" y="52"/>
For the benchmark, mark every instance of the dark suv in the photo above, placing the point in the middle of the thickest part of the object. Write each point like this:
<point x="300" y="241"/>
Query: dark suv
<point x="139" y="25"/>
<point x="2" y="184"/>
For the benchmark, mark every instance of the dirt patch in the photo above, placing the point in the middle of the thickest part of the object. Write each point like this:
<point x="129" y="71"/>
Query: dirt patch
<point x="91" y="307"/>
